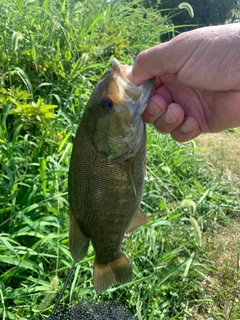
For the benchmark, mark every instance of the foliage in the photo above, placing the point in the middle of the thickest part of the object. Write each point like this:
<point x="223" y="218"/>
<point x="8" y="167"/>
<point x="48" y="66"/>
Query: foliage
<point x="206" y="12"/>
<point x="53" y="52"/>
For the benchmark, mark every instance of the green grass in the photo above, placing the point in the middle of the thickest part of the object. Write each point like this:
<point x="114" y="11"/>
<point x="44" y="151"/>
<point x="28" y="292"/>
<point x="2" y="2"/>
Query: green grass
<point x="52" y="54"/>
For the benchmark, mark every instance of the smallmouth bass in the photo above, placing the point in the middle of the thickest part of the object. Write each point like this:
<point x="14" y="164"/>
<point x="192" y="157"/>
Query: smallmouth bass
<point x="106" y="174"/>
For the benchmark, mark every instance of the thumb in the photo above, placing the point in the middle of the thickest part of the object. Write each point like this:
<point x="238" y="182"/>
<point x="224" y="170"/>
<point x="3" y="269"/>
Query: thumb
<point x="165" y="58"/>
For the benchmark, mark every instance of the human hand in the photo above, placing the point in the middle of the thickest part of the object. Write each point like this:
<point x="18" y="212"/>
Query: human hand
<point x="197" y="86"/>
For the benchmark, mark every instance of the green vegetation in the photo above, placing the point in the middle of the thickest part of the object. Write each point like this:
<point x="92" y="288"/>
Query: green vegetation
<point x="206" y="12"/>
<point x="52" y="53"/>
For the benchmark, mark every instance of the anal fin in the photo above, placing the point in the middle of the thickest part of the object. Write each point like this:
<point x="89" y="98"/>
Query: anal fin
<point x="78" y="242"/>
<point x="139" y="220"/>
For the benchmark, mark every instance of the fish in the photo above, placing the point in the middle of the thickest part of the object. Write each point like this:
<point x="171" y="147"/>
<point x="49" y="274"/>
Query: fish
<point x="106" y="175"/>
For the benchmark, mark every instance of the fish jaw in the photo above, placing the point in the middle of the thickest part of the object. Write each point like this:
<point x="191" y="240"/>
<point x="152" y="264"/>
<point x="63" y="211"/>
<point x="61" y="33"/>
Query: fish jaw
<point x="118" y="135"/>
<point x="137" y="97"/>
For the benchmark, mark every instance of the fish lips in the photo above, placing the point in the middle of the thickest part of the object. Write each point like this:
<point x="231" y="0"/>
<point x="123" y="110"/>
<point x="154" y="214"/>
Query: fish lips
<point x="137" y="107"/>
<point x="139" y="94"/>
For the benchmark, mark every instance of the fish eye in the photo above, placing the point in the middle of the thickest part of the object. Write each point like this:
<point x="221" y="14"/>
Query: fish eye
<point x="106" y="104"/>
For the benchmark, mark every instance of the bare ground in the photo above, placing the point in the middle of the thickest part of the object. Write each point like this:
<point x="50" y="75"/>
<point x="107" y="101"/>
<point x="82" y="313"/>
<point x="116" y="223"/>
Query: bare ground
<point x="222" y="285"/>
<point x="223" y="150"/>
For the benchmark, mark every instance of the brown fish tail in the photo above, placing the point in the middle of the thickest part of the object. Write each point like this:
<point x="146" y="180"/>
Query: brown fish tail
<point x="116" y="271"/>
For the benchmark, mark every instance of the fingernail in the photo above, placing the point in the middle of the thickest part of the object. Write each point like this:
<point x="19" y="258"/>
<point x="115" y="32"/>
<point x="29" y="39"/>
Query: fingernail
<point x="186" y="127"/>
<point x="169" y="117"/>
<point x="153" y="110"/>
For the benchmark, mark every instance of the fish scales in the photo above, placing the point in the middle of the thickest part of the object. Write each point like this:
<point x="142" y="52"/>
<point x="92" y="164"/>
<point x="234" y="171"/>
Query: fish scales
<point x="104" y="188"/>
<point x="105" y="194"/>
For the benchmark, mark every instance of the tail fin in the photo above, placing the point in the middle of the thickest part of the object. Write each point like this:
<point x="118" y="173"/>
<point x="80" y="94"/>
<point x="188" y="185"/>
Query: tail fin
<point x="116" y="271"/>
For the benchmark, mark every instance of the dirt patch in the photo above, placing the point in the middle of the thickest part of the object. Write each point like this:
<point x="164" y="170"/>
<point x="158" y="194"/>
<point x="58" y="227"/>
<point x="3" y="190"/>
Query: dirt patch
<point x="223" y="151"/>
<point x="225" y="251"/>
<point x="221" y="287"/>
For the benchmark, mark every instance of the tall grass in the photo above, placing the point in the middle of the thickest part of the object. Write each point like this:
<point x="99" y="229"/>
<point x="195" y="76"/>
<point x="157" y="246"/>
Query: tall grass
<point x="52" y="54"/>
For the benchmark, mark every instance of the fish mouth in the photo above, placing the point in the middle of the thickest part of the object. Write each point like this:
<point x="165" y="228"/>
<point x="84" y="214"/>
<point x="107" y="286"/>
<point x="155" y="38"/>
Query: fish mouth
<point x="139" y="95"/>
<point x="142" y="102"/>
<point x="122" y="72"/>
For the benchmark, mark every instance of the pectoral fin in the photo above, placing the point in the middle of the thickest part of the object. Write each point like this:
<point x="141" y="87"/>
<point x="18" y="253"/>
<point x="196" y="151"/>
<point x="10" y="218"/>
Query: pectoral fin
<point x="139" y="220"/>
<point x="145" y="170"/>
<point x="131" y="178"/>
<point x="78" y="242"/>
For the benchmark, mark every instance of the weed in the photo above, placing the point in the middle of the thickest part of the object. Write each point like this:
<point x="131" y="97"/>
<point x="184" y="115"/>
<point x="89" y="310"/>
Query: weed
<point x="53" y="52"/>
